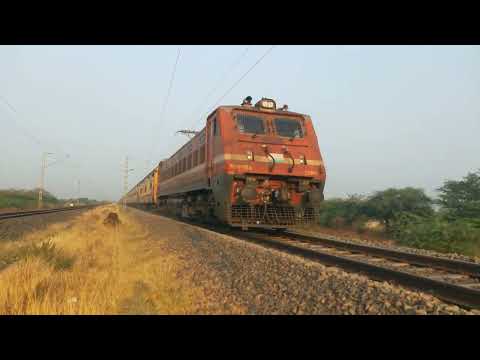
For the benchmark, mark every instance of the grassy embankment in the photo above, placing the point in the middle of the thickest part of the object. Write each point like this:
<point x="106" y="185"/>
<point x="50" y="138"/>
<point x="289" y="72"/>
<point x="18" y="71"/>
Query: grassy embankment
<point x="89" y="268"/>
<point x="25" y="199"/>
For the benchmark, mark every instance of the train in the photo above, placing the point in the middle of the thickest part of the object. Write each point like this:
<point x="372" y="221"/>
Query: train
<point x="250" y="166"/>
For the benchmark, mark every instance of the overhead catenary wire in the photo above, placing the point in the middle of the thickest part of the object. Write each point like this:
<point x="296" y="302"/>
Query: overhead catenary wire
<point x="220" y="81"/>
<point x="24" y="131"/>
<point x="28" y="134"/>
<point x="167" y="97"/>
<point x="34" y="138"/>
<point x="170" y="85"/>
<point x="237" y="82"/>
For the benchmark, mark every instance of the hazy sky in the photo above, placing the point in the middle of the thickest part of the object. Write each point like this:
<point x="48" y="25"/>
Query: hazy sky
<point x="385" y="116"/>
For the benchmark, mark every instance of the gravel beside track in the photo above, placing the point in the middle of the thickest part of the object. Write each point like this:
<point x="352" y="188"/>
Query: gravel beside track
<point x="240" y="277"/>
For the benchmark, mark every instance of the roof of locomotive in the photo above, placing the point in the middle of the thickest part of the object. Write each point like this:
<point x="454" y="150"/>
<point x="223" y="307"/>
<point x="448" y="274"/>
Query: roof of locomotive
<point x="254" y="109"/>
<point x="236" y="107"/>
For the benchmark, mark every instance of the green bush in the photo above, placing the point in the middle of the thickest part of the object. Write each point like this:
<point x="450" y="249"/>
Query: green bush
<point x="388" y="204"/>
<point x="436" y="233"/>
<point x="359" y="224"/>
<point x="340" y="212"/>
<point x="461" y="198"/>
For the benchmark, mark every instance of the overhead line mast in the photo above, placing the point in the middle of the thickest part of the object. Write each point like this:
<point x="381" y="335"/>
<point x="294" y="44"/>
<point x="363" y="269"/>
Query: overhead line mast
<point x="125" y="182"/>
<point x="42" y="179"/>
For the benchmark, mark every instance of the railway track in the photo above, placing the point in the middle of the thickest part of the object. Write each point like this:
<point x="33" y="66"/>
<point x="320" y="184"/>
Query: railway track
<point x="453" y="281"/>
<point x="18" y="214"/>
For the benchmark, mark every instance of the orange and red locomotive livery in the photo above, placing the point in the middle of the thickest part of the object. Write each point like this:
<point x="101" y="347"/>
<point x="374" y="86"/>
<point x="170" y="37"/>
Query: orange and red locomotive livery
<point x="250" y="166"/>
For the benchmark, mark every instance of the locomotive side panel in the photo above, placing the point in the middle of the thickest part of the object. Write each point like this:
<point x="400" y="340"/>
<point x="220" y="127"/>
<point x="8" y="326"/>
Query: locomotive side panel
<point x="219" y="181"/>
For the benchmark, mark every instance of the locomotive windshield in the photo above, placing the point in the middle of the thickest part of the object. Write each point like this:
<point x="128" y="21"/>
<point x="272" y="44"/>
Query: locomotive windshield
<point x="250" y="124"/>
<point x="288" y="127"/>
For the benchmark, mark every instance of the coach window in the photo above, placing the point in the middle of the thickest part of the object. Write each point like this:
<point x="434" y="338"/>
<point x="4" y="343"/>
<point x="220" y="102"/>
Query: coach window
<point x="202" y="154"/>
<point x="195" y="158"/>
<point x="250" y="124"/>
<point x="189" y="161"/>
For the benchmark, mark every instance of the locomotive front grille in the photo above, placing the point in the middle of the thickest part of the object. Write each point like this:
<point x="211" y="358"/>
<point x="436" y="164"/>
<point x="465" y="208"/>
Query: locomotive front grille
<point x="270" y="215"/>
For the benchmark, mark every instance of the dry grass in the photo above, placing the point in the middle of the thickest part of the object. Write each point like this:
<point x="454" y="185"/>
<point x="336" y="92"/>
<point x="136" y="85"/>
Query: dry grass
<point x="89" y="268"/>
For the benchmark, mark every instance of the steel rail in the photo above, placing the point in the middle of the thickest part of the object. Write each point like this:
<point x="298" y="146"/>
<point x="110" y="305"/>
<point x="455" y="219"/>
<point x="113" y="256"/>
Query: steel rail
<point x="453" y="265"/>
<point x="17" y="214"/>
<point x="460" y="295"/>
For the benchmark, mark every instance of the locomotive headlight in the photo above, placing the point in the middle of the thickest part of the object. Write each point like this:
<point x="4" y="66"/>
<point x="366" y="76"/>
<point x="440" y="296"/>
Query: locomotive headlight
<point x="249" y="155"/>
<point x="303" y="160"/>
<point x="266" y="104"/>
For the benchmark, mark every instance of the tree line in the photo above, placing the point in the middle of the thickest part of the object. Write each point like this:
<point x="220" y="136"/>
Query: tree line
<point x="449" y="223"/>
<point x="28" y="199"/>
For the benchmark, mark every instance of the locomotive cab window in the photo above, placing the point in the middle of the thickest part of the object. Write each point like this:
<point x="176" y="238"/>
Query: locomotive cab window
<point x="250" y="124"/>
<point x="288" y="128"/>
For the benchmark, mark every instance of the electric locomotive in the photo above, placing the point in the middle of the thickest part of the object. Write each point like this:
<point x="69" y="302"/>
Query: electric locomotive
<point x="250" y="166"/>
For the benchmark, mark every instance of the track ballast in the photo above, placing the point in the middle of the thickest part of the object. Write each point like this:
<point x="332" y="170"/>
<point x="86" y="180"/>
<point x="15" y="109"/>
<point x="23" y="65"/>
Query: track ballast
<point x="453" y="281"/>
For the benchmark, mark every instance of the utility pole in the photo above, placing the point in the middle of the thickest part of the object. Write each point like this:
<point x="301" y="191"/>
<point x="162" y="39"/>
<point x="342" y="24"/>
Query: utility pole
<point x="125" y="182"/>
<point x="45" y="164"/>
<point x="78" y="192"/>
<point x="42" y="179"/>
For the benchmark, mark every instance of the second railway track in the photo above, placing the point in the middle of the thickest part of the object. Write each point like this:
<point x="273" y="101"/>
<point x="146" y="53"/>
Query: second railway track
<point x="18" y="214"/>
<point x="453" y="281"/>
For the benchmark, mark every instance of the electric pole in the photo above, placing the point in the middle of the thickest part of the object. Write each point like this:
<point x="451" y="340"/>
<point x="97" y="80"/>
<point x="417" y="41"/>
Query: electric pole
<point x="125" y="182"/>
<point x="78" y="192"/>
<point x="42" y="179"/>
